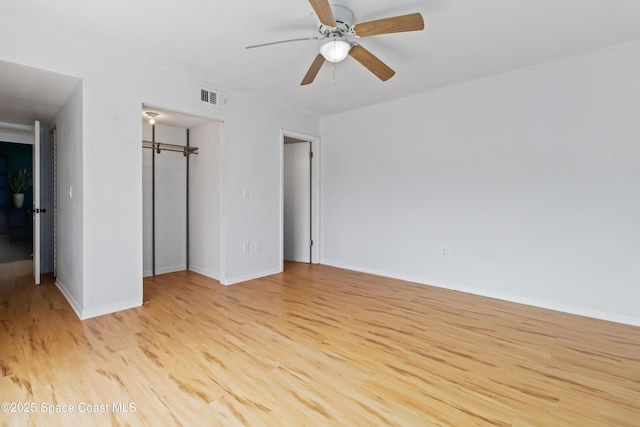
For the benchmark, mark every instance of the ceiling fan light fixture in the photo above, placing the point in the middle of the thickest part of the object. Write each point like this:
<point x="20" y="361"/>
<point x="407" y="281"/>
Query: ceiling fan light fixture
<point x="335" y="50"/>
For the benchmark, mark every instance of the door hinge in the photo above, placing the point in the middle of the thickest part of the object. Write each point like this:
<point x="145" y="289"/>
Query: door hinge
<point x="311" y="154"/>
<point x="311" y="244"/>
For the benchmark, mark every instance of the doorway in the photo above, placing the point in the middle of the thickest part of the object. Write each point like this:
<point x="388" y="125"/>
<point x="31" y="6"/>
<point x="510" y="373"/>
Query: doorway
<point x="30" y="95"/>
<point x="16" y="226"/>
<point x="300" y="198"/>
<point x="26" y="169"/>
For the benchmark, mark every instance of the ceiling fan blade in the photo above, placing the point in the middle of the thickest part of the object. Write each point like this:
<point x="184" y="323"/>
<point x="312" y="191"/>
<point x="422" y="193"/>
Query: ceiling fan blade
<point x="371" y="62"/>
<point x="281" y="41"/>
<point x="322" y="8"/>
<point x="397" y="24"/>
<point x="313" y="70"/>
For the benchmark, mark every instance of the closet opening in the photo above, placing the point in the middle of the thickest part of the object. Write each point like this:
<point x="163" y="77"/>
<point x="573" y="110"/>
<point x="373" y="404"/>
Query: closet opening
<point x="181" y="192"/>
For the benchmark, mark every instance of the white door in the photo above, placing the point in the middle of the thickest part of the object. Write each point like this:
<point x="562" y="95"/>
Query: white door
<point x="297" y="202"/>
<point x="54" y="137"/>
<point x="36" y="203"/>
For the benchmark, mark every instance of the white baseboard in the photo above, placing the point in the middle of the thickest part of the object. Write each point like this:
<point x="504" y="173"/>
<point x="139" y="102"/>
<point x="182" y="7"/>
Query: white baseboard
<point x="209" y="273"/>
<point x="550" y="305"/>
<point x="111" y="308"/>
<point x="77" y="307"/>
<point x="174" y="269"/>
<point x="252" y="276"/>
<point x="84" y="314"/>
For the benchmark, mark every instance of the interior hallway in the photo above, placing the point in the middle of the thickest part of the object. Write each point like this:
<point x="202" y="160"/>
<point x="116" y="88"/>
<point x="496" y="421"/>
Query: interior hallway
<point x="14" y="251"/>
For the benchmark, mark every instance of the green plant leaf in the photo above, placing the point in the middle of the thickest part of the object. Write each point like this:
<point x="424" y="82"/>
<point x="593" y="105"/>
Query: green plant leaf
<point x="20" y="181"/>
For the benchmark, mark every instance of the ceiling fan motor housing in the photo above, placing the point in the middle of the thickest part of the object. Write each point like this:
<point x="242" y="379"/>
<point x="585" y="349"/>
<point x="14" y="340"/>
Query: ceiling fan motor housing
<point x="344" y="20"/>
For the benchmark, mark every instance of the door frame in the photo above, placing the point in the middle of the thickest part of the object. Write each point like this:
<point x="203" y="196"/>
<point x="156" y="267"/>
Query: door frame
<point x="15" y="133"/>
<point x="315" y="192"/>
<point x="36" y="202"/>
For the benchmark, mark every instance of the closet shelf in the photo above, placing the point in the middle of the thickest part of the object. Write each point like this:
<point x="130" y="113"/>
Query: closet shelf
<point x="159" y="146"/>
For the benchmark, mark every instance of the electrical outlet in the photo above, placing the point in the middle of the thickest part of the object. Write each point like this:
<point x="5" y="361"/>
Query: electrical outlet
<point x="444" y="252"/>
<point x="245" y="246"/>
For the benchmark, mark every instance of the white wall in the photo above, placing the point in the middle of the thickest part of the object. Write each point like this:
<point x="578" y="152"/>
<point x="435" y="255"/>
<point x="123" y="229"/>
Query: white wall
<point x="114" y="88"/>
<point x="170" y="203"/>
<point x="252" y="160"/>
<point x="529" y="179"/>
<point x="204" y="199"/>
<point x="69" y="217"/>
<point x="12" y="132"/>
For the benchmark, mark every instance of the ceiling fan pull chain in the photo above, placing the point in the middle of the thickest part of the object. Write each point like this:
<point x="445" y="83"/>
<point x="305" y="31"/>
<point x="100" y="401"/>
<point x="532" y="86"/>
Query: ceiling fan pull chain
<point x="334" y="64"/>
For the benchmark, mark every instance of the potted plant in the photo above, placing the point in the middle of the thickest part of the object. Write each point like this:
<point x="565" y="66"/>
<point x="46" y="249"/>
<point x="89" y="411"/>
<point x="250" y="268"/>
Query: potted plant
<point x="19" y="182"/>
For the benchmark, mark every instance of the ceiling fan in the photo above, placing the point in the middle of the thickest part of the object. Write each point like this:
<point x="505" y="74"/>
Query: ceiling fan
<point x="338" y="28"/>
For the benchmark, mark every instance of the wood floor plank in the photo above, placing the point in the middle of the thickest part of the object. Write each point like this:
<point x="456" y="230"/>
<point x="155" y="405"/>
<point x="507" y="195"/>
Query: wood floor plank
<point x="314" y="346"/>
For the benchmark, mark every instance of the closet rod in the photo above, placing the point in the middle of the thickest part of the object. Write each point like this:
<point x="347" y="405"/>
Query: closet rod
<point x="159" y="146"/>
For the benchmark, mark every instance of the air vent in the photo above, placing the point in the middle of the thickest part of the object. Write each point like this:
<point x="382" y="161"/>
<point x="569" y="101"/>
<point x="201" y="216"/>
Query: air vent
<point x="213" y="97"/>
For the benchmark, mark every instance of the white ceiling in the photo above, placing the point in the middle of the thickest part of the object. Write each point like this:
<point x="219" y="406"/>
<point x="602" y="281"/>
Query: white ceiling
<point x="172" y="118"/>
<point x="28" y="94"/>
<point x="463" y="40"/>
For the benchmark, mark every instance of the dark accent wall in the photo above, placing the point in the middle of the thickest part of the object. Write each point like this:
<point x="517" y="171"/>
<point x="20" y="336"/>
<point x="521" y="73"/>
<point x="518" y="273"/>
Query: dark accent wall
<point x="19" y="156"/>
<point x="14" y="221"/>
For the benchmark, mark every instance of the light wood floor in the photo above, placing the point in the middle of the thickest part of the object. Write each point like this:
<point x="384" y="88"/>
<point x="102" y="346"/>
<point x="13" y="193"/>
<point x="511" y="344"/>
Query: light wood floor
<point x="315" y="346"/>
